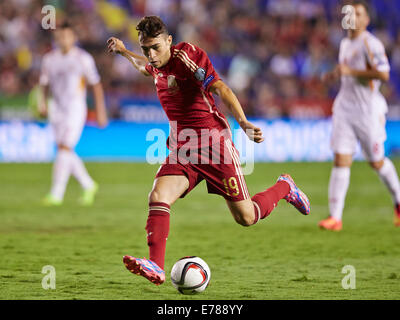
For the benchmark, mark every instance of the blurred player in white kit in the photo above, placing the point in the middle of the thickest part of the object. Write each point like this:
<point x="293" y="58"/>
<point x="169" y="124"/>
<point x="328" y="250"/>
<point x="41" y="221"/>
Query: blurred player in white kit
<point x="65" y="73"/>
<point x="359" y="115"/>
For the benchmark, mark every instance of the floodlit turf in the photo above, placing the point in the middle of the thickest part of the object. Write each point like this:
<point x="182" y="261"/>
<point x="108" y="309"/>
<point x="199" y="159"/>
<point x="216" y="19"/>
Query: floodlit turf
<point x="285" y="256"/>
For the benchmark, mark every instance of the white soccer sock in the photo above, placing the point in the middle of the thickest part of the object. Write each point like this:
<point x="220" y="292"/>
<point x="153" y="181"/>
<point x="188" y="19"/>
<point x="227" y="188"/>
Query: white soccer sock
<point x="338" y="185"/>
<point x="389" y="177"/>
<point x="61" y="173"/>
<point x="79" y="171"/>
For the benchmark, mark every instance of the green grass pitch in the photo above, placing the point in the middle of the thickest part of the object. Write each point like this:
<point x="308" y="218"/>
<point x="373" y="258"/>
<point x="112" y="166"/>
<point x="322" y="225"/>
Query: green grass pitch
<point x="284" y="256"/>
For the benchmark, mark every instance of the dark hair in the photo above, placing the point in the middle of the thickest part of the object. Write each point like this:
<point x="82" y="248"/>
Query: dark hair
<point x="65" y="25"/>
<point x="151" y="27"/>
<point x="362" y="3"/>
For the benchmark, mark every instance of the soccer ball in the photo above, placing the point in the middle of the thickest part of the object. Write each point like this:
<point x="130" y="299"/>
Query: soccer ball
<point x="190" y="275"/>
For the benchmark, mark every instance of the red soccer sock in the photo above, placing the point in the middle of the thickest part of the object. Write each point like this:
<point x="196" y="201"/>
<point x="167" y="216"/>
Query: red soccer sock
<point x="157" y="228"/>
<point x="265" y="201"/>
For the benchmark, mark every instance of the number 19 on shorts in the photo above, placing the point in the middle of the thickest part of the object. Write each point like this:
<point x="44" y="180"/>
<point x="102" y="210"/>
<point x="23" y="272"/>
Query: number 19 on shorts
<point x="231" y="186"/>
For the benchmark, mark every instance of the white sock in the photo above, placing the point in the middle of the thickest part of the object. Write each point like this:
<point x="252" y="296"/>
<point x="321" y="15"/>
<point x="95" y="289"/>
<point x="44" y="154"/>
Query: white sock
<point x="79" y="171"/>
<point x="389" y="177"/>
<point x="338" y="185"/>
<point x="61" y="173"/>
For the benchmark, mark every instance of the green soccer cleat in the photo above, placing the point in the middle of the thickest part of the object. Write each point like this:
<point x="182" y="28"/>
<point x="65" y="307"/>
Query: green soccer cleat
<point x="87" y="198"/>
<point x="51" y="201"/>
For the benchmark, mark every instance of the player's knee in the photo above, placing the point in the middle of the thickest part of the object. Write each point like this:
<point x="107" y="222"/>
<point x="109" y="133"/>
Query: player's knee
<point x="342" y="163"/>
<point x="244" y="220"/>
<point x="376" y="165"/>
<point x="156" y="195"/>
<point x="342" y="160"/>
<point x="63" y="147"/>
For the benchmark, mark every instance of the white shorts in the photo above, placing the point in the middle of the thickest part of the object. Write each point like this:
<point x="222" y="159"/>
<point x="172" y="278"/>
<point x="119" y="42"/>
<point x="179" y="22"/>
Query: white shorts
<point x="67" y="134"/>
<point x="370" y="132"/>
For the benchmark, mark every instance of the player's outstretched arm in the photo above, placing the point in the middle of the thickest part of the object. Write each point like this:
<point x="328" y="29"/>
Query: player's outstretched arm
<point x="101" y="113"/>
<point x="231" y="101"/>
<point x="138" y="61"/>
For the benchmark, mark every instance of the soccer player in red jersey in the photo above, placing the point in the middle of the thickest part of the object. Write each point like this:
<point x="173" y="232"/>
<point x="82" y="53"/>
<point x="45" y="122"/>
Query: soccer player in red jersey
<point x="186" y="81"/>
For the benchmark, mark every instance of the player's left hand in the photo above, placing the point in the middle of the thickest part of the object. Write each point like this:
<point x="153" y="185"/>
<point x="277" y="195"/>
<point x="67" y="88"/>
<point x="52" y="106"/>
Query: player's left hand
<point x="254" y="133"/>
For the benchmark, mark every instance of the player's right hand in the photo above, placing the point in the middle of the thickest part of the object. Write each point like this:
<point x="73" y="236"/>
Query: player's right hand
<point x="254" y="133"/>
<point x="115" y="45"/>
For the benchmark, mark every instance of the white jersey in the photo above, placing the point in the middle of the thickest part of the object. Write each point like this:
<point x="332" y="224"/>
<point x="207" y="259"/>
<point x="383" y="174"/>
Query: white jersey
<point x="67" y="76"/>
<point x="361" y="98"/>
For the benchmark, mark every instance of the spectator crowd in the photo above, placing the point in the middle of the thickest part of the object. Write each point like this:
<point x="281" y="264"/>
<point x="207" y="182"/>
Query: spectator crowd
<point x="271" y="52"/>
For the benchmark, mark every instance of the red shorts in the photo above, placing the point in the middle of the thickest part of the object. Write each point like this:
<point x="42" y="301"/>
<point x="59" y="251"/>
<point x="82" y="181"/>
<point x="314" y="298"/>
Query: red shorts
<point x="218" y="164"/>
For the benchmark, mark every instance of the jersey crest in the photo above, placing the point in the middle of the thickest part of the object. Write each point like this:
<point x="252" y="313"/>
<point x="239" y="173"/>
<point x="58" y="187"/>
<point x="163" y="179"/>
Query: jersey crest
<point x="172" y="84"/>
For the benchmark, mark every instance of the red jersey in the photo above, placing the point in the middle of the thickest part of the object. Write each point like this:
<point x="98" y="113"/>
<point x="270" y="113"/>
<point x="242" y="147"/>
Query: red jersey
<point x="183" y="89"/>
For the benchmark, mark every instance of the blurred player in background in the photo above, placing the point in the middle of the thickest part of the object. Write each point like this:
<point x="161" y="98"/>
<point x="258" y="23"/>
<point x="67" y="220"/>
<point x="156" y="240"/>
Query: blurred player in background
<point x="359" y="115"/>
<point x="185" y="80"/>
<point x="65" y="73"/>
